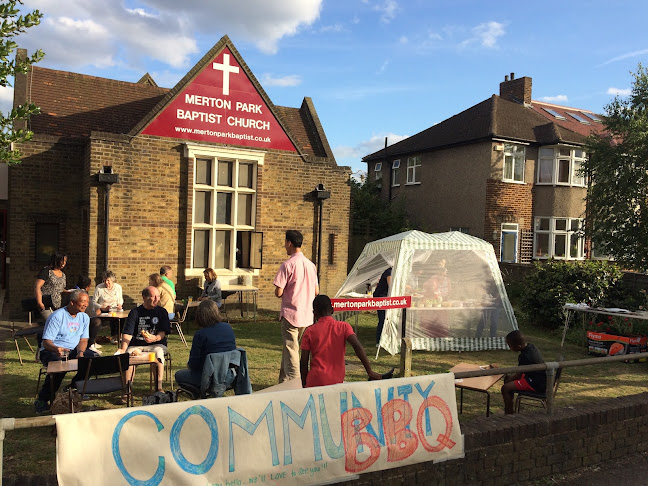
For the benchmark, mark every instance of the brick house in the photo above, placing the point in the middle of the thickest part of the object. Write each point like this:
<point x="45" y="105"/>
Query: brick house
<point x="209" y="174"/>
<point x="505" y="170"/>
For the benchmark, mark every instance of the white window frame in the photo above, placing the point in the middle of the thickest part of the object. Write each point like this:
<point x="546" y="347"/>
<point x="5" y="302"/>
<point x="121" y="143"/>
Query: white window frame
<point x="378" y="171"/>
<point x="512" y="150"/>
<point x="237" y="156"/>
<point x="396" y="173"/>
<point x="559" y="227"/>
<point x="461" y="229"/>
<point x="413" y="170"/>
<point x="574" y="160"/>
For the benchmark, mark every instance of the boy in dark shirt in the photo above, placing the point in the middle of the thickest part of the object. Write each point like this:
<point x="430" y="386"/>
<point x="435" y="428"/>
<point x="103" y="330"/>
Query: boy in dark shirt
<point x="534" y="381"/>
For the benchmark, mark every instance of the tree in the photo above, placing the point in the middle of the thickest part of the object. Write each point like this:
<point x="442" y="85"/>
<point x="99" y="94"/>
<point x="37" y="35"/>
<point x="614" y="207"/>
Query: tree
<point x="13" y="24"/>
<point x="375" y="214"/>
<point x="617" y="196"/>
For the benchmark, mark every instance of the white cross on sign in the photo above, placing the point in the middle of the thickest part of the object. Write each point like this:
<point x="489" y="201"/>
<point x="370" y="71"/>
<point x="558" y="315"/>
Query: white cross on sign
<point x="227" y="69"/>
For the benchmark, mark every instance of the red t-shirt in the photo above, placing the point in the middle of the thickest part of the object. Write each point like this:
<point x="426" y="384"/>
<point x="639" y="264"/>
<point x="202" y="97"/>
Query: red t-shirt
<point x="326" y="341"/>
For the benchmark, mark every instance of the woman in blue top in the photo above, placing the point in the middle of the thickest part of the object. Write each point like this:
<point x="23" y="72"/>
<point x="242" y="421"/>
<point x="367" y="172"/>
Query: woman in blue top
<point x="213" y="337"/>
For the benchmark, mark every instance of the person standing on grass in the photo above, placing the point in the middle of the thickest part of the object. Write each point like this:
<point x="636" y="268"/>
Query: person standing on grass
<point x="65" y="334"/>
<point x="324" y="347"/>
<point x="533" y="381"/>
<point x="296" y="285"/>
<point x="382" y="290"/>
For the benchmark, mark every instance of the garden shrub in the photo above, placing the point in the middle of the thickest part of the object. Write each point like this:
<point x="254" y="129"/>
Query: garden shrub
<point x="555" y="282"/>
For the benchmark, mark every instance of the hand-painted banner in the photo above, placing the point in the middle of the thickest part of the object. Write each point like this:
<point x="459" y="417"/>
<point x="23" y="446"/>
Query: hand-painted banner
<point x="288" y="437"/>
<point x="372" y="303"/>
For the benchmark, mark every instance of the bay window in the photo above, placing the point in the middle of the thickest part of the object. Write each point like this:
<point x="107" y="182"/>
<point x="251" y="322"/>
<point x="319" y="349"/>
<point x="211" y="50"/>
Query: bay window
<point x="561" y="166"/>
<point x="559" y="238"/>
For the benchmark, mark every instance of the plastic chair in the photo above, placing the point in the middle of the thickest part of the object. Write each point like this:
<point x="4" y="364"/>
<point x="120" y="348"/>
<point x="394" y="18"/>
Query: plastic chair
<point x="220" y="373"/>
<point x="93" y="368"/>
<point x="540" y="399"/>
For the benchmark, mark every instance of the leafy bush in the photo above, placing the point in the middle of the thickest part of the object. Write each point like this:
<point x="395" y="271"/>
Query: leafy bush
<point x="556" y="282"/>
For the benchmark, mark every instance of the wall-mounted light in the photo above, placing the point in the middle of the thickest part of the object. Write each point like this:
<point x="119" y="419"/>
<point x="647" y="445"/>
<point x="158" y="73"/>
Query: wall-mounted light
<point x="495" y="234"/>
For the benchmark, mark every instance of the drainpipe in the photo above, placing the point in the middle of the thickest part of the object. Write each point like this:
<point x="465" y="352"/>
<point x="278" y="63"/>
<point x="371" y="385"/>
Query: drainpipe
<point x="106" y="178"/>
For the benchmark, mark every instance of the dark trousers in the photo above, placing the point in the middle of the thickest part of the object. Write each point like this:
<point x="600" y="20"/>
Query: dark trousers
<point x="381" y="323"/>
<point x="95" y="325"/>
<point x="53" y="381"/>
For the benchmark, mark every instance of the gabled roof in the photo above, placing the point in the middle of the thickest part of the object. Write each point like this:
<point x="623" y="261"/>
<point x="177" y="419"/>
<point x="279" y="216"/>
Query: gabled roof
<point x="492" y="118"/>
<point x="74" y="105"/>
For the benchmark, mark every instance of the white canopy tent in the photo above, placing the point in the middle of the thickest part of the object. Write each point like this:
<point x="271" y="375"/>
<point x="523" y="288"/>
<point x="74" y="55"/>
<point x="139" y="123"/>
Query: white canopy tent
<point x="459" y="302"/>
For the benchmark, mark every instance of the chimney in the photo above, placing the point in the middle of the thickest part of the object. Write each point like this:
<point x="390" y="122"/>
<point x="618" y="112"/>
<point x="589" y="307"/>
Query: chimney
<point x="20" y="87"/>
<point x="516" y="90"/>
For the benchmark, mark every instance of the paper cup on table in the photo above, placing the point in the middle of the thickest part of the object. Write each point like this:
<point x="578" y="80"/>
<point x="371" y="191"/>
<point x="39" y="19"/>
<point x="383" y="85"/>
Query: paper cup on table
<point x="114" y="314"/>
<point x="151" y="357"/>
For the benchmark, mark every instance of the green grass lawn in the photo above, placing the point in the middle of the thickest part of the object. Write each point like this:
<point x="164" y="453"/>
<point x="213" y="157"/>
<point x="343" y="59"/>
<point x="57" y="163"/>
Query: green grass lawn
<point x="32" y="451"/>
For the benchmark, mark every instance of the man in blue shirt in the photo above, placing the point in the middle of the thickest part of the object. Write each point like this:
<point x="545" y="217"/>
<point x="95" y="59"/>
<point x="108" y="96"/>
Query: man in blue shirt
<point x="65" y="334"/>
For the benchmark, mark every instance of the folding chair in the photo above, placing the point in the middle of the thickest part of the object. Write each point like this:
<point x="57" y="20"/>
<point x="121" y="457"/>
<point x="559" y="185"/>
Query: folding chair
<point x="99" y="367"/>
<point x="540" y="399"/>
<point x="24" y="333"/>
<point x="177" y="322"/>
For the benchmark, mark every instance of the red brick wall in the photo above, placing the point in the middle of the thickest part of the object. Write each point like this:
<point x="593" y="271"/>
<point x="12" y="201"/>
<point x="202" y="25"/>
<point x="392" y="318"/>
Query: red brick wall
<point x="507" y="203"/>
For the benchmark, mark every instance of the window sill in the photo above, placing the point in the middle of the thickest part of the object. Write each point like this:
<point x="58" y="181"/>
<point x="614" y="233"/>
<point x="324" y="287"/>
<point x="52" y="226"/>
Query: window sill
<point x="510" y="181"/>
<point x="413" y="184"/>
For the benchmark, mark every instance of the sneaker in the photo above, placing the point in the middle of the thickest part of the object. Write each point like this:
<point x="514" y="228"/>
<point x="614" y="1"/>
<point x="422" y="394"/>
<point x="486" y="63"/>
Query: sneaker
<point x="95" y="346"/>
<point x="41" y="407"/>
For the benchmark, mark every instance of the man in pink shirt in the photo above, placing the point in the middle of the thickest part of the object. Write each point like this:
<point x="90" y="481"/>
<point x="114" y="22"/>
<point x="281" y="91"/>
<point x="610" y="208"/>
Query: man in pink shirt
<point x="296" y="286"/>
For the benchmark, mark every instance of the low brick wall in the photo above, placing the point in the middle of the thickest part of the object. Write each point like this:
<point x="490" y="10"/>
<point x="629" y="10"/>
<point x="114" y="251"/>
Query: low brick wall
<point x="503" y="450"/>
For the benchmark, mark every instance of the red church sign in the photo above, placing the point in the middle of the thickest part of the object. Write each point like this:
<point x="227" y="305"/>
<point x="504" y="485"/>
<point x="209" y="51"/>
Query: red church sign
<point x="221" y="105"/>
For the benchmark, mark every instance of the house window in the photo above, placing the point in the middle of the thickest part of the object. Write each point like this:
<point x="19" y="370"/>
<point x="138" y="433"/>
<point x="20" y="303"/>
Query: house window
<point x="378" y="171"/>
<point x="47" y="241"/>
<point x="224" y="209"/>
<point x="414" y="170"/>
<point x="509" y="242"/>
<point x="559" y="238"/>
<point x="396" y="173"/>
<point x="461" y="229"/>
<point x="513" y="163"/>
<point x="561" y="166"/>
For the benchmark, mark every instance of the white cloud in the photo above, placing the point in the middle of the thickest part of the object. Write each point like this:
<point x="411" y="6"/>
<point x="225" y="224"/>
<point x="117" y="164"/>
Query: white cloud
<point x="335" y="28"/>
<point x="619" y="91"/>
<point x="387" y="10"/>
<point x="283" y="81"/>
<point x="555" y="99"/>
<point x="403" y="39"/>
<point x="487" y="33"/>
<point x="624" y="56"/>
<point x="382" y="68"/>
<point x="346" y="154"/>
<point x="77" y="32"/>
<point x="6" y="99"/>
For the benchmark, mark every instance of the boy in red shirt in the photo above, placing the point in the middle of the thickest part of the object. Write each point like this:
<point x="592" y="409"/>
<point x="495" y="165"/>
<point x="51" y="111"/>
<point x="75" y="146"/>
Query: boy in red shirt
<point x="324" y="345"/>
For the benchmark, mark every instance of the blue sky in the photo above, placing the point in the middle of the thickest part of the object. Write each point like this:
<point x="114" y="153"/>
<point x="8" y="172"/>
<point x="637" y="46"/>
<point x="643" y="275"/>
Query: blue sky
<point x="374" y="68"/>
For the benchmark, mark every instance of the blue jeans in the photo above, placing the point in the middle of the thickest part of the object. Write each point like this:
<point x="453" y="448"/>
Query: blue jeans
<point x="189" y="377"/>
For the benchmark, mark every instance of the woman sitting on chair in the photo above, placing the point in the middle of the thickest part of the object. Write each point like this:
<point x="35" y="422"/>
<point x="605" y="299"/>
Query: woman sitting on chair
<point x="212" y="289"/>
<point x="213" y="337"/>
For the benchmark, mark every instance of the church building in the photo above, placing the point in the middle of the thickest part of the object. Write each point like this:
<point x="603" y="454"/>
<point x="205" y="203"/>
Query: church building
<point x="131" y="176"/>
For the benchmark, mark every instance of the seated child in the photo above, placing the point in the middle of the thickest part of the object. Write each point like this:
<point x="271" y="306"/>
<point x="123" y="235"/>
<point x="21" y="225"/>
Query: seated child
<point x="534" y="381"/>
<point x="324" y="345"/>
